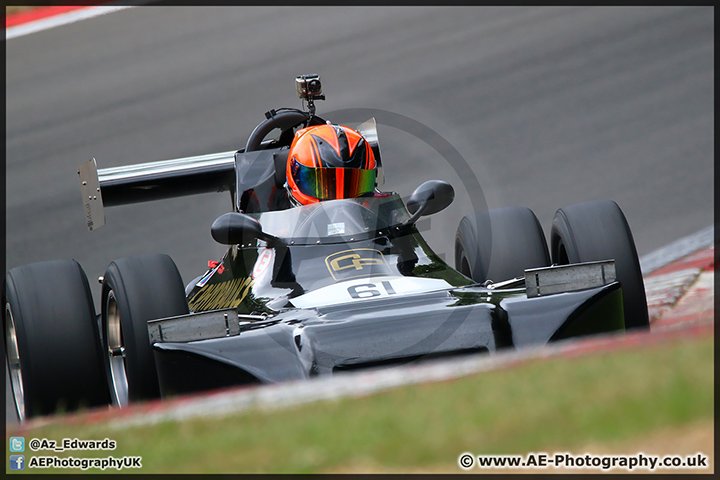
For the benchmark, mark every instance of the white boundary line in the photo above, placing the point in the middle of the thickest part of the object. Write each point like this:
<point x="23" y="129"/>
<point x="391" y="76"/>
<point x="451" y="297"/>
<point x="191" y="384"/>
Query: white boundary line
<point x="58" y="20"/>
<point x="677" y="249"/>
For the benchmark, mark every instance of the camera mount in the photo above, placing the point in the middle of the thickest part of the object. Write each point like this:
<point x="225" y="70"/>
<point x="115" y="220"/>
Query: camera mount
<point x="309" y="89"/>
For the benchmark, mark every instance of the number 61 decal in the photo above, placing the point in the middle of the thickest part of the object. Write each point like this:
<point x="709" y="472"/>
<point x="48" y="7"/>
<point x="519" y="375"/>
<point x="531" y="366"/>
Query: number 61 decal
<point x="368" y="290"/>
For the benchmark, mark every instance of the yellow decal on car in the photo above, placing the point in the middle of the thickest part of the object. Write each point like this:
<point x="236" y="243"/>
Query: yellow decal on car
<point x="228" y="294"/>
<point x="361" y="262"/>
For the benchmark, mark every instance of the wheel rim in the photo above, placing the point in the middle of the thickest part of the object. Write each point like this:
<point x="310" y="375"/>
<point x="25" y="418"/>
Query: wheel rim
<point x="13" y="355"/>
<point x="116" y="352"/>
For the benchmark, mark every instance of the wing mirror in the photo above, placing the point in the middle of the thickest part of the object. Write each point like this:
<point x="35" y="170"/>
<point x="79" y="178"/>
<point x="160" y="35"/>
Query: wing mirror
<point x="237" y="229"/>
<point x="429" y="198"/>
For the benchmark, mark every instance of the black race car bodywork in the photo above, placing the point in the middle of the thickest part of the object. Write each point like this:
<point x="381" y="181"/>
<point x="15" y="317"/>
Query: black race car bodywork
<point x="351" y="285"/>
<point x="319" y="289"/>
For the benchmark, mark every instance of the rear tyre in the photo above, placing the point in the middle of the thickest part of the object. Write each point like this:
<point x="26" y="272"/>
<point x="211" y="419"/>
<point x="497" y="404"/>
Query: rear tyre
<point x="598" y="230"/>
<point x="137" y="289"/>
<point x="499" y="244"/>
<point x="52" y="342"/>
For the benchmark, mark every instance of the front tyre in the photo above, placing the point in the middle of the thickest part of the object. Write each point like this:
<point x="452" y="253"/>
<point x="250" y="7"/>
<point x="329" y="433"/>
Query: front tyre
<point x="598" y="230"/>
<point x="137" y="289"/>
<point x="499" y="244"/>
<point x="52" y="341"/>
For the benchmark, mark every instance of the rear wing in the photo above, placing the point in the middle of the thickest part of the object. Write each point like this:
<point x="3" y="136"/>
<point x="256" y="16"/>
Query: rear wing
<point x="144" y="182"/>
<point x="215" y="172"/>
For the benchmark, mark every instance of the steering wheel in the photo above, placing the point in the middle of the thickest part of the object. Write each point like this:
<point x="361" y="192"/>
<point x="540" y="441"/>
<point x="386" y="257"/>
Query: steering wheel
<point x="286" y="121"/>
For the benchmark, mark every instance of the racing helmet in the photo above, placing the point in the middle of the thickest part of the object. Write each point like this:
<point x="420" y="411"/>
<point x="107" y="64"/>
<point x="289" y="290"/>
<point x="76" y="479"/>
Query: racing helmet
<point x="328" y="162"/>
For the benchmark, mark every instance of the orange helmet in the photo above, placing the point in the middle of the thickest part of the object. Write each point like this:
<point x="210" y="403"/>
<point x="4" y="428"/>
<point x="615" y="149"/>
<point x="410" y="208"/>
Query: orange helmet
<point x="327" y="162"/>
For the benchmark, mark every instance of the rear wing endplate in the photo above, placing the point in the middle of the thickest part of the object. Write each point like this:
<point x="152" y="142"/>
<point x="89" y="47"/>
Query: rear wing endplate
<point x="92" y="196"/>
<point x="144" y="182"/>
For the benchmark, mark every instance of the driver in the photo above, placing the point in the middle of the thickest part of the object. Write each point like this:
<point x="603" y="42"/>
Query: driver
<point x="328" y="162"/>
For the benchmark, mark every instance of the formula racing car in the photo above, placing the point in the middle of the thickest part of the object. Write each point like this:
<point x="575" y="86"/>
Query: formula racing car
<point x="306" y="289"/>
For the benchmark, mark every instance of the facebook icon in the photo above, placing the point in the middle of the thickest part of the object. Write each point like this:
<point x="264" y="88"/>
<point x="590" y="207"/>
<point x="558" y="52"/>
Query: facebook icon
<point x="17" y="462"/>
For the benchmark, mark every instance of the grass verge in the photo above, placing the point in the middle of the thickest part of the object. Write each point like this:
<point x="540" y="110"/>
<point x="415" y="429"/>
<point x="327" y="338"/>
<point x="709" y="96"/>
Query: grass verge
<point x="553" y="405"/>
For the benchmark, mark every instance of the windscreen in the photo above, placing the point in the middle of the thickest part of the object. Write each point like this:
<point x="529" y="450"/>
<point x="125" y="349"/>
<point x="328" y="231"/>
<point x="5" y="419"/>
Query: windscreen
<point x="335" y="220"/>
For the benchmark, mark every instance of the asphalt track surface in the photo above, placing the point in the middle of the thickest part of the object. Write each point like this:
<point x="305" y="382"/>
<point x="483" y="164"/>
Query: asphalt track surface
<point x="549" y="106"/>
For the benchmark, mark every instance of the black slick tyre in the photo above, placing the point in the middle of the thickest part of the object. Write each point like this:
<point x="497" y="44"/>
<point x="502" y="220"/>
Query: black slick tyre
<point x="52" y="342"/>
<point x="137" y="289"/>
<point x="598" y="230"/>
<point x="499" y="244"/>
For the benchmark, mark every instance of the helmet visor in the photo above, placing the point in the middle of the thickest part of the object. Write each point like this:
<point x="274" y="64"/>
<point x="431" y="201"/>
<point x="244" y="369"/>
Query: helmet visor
<point x="332" y="183"/>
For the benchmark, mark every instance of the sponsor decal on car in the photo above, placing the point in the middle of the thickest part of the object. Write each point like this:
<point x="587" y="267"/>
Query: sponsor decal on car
<point x="336" y="229"/>
<point x="214" y="267"/>
<point x="228" y="294"/>
<point x="263" y="262"/>
<point x="360" y="262"/>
